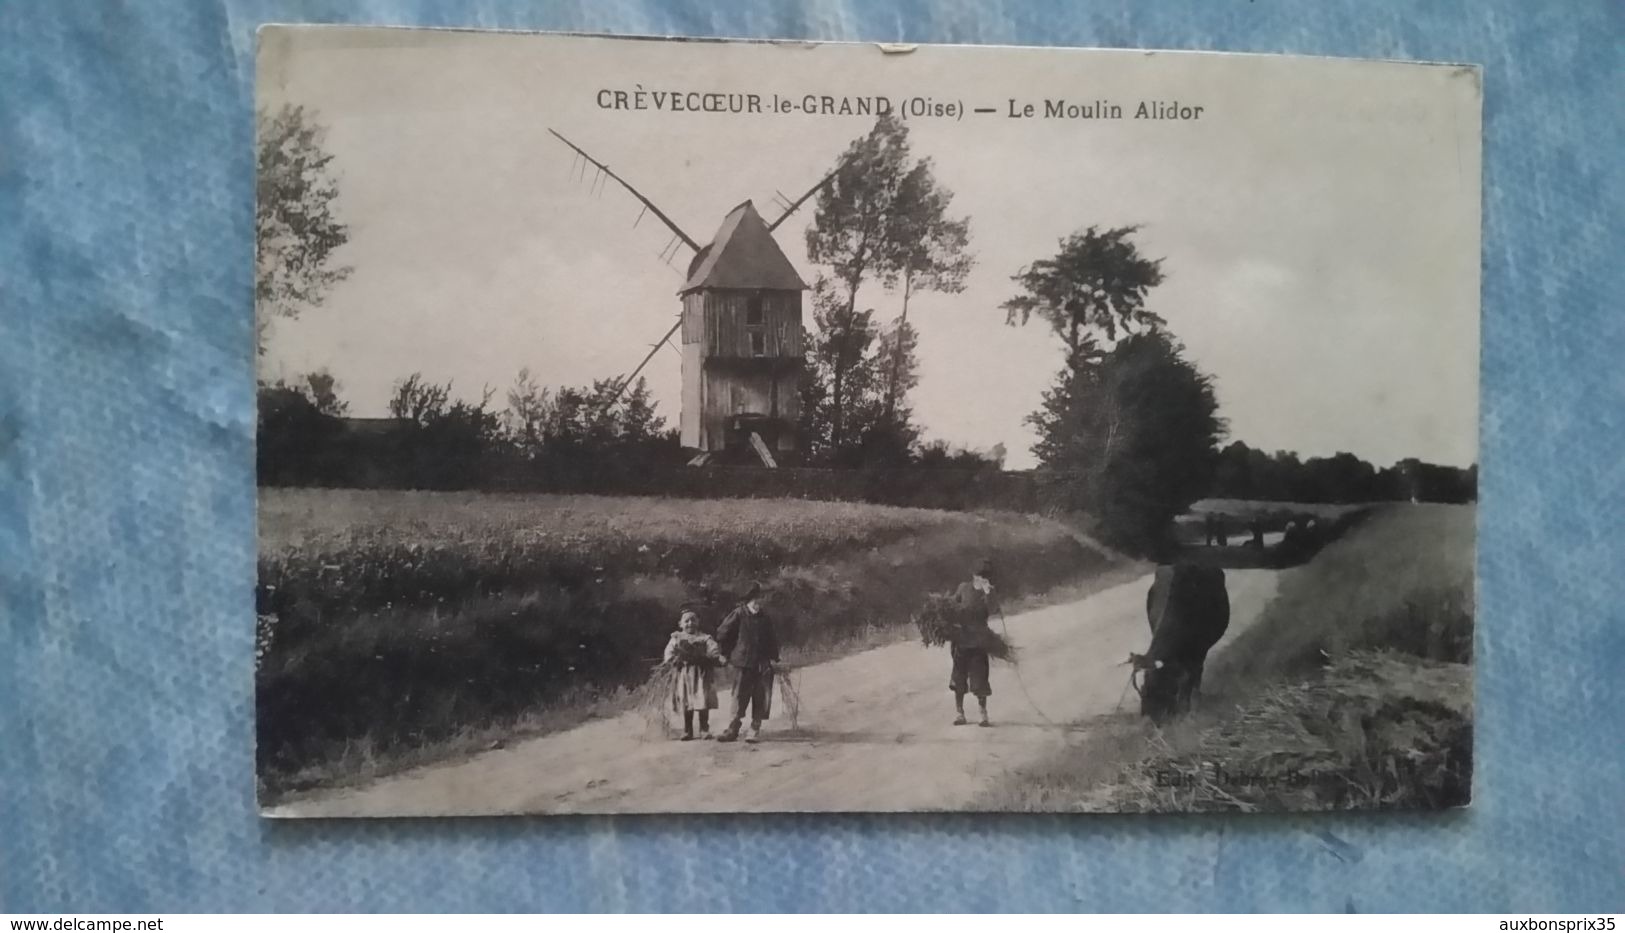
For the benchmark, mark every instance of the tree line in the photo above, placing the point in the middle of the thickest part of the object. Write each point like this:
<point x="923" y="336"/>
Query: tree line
<point x="433" y="439"/>
<point x="1242" y="472"/>
<point x="882" y="221"/>
<point x="567" y="437"/>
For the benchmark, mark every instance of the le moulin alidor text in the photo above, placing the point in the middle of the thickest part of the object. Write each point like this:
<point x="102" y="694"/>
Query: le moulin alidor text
<point x="669" y="100"/>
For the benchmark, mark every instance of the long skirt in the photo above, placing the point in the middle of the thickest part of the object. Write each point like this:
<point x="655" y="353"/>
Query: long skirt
<point x="694" y="689"/>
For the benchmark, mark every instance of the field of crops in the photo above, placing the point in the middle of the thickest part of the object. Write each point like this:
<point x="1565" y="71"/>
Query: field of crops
<point x="1402" y="582"/>
<point x="300" y="517"/>
<point x="342" y="552"/>
<point x="398" y="618"/>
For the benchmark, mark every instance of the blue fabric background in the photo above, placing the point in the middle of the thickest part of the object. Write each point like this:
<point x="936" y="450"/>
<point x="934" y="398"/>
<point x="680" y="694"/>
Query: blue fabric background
<point x="127" y="508"/>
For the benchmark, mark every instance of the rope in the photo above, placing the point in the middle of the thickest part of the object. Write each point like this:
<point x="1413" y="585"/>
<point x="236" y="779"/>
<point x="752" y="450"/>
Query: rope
<point x="1124" y="693"/>
<point x="1005" y="624"/>
<point x="1157" y="625"/>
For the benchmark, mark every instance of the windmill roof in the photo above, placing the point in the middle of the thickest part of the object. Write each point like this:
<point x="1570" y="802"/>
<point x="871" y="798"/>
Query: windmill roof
<point x="742" y="255"/>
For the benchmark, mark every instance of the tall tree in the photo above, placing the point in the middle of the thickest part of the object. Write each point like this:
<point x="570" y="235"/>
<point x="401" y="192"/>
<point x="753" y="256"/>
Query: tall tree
<point x="1094" y="286"/>
<point x="882" y="218"/>
<point x="1138" y="427"/>
<point x="296" y="228"/>
<point x="813" y="428"/>
<point x="848" y="358"/>
<point x="888" y="435"/>
<point x="842" y="375"/>
<point x="929" y="252"/>
<point x="899" y="361"/>
<point x="854" y="233"/>
<point x="853" y="229"/>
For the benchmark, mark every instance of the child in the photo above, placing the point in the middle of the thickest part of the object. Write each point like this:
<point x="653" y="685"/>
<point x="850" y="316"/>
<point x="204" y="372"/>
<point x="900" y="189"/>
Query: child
<point x="696" y="656"/>
<point x="970" y="669"/>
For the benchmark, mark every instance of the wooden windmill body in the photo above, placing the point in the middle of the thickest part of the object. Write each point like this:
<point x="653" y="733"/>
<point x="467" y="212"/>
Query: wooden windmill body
<point x="742" y="344"/>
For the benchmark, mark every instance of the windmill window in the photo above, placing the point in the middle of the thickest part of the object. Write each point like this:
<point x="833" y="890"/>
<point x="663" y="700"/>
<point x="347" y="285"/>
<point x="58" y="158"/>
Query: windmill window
<point x="755" y="326"/>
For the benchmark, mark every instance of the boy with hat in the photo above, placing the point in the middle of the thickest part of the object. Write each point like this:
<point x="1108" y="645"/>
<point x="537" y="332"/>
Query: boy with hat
<point x="751" y="643"/>
<point x="970" y="670"/>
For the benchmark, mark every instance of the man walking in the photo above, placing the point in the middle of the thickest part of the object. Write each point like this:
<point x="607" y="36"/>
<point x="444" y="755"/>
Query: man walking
<point x="974" y="603"/>
<point x="751" y="644"/>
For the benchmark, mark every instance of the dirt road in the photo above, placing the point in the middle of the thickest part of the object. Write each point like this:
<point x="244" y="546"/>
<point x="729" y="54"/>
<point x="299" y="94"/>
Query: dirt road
<point x="874" y="733"/>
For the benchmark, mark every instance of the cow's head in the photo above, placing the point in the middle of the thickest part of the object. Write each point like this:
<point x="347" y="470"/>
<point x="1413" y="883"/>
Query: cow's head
<point x="1159" y="685"/>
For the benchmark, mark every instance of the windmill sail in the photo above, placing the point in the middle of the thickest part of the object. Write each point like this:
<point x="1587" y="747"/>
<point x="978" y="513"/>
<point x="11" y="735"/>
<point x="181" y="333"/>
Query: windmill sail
<point x="620" y="387"/>
<point x="796" y="204"/>
<point x="742" y="258"/>
<point x="648" y="205"/>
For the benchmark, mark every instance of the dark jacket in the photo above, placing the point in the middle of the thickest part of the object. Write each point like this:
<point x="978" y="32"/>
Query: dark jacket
<point x="749" y="639"/>
<point x="974" y="608"/>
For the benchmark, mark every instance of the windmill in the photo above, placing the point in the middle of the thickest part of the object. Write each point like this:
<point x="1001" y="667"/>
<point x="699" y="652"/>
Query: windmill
<point x="741" y="329"/>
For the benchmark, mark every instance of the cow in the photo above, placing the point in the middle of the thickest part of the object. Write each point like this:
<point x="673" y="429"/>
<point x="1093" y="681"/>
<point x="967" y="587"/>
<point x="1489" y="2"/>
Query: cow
<point x="1189" y="611"/>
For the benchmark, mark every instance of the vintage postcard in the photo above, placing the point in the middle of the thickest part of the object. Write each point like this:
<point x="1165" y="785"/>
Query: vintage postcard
<point x="678" y="426"/>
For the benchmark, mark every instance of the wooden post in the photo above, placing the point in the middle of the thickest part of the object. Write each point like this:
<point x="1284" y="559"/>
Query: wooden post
<point x="760" y="446"/>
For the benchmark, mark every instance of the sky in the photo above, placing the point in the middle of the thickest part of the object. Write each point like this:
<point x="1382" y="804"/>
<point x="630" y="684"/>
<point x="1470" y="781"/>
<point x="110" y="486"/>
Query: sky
<point x="1318" y="224"/>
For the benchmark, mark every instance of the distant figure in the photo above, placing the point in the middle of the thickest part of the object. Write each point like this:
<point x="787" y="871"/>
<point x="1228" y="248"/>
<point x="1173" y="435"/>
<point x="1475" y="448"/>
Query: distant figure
<point x="975" y="604"/>
<point x="1256" y="526"/>
<point x="751" y="643"/>
<point x="1210" y="524"/>
<point x="1188" y="609"/>
<point x="1291" y="547"/>
<point x="696" y="656"/>
<point x="1223" y="531"/>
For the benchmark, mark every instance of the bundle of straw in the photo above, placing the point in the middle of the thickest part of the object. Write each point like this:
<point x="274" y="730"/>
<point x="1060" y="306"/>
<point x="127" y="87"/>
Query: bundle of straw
<point x="789" y="695"/>
<point x="652" y="699"/>
<point x="942" y="622"/>
<point x="1371" y="730"/>
<point x="692" y="651"/>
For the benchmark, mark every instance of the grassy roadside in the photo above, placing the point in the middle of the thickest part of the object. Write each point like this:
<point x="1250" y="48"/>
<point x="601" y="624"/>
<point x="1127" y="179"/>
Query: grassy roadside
<point x="360" y="761"/>
<point x="1353" y="690"/>
<point x="409" y="627"/>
